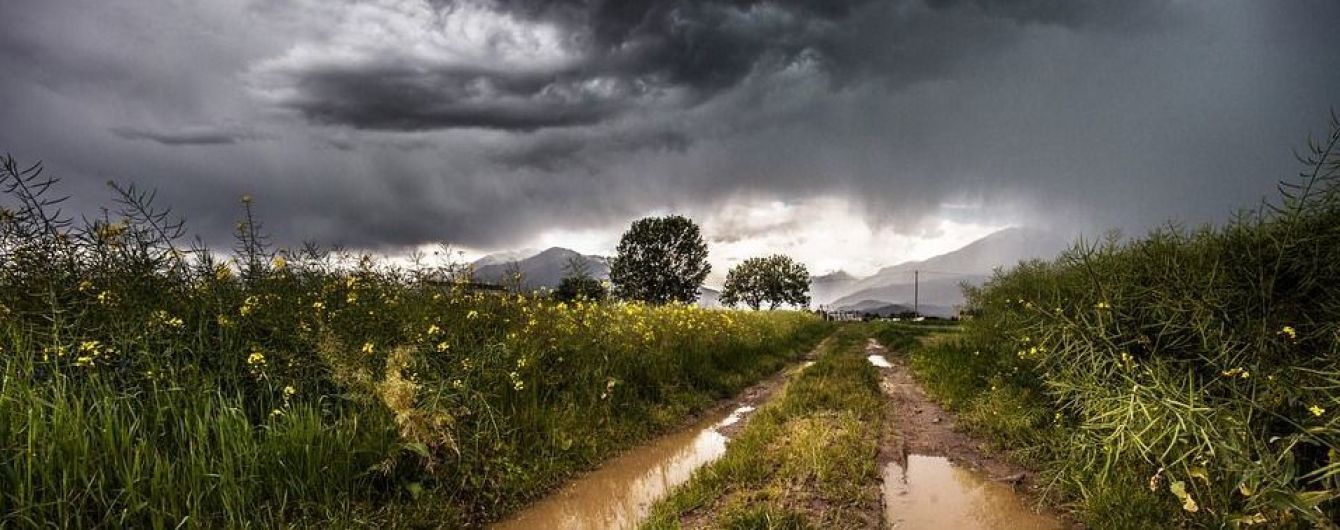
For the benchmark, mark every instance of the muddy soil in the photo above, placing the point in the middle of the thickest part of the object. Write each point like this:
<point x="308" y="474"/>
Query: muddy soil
<point x="918" y="426"/>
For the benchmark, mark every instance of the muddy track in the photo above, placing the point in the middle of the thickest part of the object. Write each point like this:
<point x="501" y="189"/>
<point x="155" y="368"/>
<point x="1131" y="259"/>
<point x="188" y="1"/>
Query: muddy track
<point x="761" y="392"/>
<point x="919" y="426"/>
<point x="615" y="493"/>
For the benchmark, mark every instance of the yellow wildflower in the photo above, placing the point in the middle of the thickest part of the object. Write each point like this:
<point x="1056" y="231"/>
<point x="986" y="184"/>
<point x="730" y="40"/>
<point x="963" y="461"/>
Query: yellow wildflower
<point x="1289" y="332"/>
<point x="368" y="347"/>
<point x="256" y="359"/>
<point x="289" y="391"/>
<point x="1236" y="372"/>
<point x="279" y="263"/>
<point x="433" y="329"/>
<point x="1316" y="411"/>
<point x="472" y="314"/>
<point x="443" y="346"/>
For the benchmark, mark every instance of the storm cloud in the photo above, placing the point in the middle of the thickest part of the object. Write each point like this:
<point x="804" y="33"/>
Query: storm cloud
<point x="392" y="123"/>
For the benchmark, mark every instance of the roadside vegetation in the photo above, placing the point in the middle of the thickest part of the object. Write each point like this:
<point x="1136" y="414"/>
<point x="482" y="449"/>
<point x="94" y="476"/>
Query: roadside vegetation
<point x="805" y="460"/>
<point x="148" y="385"/>
<point x="1187" y="378"/>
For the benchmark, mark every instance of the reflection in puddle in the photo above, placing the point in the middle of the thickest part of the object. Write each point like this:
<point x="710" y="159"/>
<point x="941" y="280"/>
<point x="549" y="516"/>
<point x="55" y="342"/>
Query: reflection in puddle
<point x="931" y="494"/>
<point x="879" y="361"/>
<point x="735" y="416"/>
<point x="621" y="492"/>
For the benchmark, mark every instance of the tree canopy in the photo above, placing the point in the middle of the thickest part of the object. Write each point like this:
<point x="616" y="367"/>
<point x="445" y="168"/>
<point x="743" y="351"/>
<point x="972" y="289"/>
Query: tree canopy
<point x="660" y="260"/>
<point x="774" y="280"/>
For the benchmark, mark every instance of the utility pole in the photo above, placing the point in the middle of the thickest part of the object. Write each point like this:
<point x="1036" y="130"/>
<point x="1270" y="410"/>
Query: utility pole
<point x="916" y="292"/>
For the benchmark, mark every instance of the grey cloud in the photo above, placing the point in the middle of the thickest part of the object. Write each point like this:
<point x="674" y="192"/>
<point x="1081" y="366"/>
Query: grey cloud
<point x="566" y="150"/>
<point x="634" y="54"/>
<point x="623" y="56"/>
<point x="1074" y="115"/>
<point x="189" y="135"/>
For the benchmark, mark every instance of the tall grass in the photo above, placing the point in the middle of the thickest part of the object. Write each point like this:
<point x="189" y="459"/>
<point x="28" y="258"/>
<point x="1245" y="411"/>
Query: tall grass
<point x="146" y="384"/>
<point x="1189" y="377"/>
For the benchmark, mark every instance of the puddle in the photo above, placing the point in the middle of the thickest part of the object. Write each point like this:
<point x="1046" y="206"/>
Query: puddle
<point x="932" y="493"/>
<point x="620" y="493"/>
<point x="879" y="361"/>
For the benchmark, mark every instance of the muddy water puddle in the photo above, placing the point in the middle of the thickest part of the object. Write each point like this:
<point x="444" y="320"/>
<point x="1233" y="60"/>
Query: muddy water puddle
<point x="932" y="493"/>
<point x="621" y="492"/>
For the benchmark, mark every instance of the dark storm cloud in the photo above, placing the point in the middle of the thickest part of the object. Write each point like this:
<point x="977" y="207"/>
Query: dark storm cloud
<point x="616" y="57"/>
<point x="623" y="55"/>
<point x="387" y="123"/>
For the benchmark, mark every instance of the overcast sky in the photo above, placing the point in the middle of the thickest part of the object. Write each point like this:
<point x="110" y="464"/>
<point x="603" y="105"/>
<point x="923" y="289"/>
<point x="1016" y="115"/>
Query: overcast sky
<point x="851" y="133"/>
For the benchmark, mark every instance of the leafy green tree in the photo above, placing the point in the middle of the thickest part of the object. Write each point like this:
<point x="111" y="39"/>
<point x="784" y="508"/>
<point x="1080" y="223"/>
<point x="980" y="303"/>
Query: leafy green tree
<point x="578" y="284"/>
<point x="660" y="259"/>
<point x="775" y="280"/>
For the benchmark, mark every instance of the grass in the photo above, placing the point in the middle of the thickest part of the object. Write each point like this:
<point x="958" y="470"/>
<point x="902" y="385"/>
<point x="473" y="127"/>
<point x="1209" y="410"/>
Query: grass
<point x="1188" y="378"/>
<point x="805" y="460"/>
<point x="143" y="384"/>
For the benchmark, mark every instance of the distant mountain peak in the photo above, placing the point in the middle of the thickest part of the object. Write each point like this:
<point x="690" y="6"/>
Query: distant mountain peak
<point x="557" y="251"/>
<point x="542" y="269"/>
<point x="941" y="275"/>
<point x="835" y="276"/>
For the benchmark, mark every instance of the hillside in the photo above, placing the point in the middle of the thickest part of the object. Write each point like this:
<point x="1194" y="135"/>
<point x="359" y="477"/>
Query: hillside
<point x="942" y="275"/>
<point x="827" y="287"/>
<point x="545" y="269"/>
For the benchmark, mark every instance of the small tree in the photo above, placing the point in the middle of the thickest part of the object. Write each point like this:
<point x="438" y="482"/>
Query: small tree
<point x="775" y="279"/>
<point x="513" y="278"/>
<point x="577" y="283"/>
<point x="660" y="259"/>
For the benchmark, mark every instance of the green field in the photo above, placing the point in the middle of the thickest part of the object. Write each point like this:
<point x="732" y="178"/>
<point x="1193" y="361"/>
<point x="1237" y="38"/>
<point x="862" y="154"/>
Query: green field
<point x="142" y="387"/>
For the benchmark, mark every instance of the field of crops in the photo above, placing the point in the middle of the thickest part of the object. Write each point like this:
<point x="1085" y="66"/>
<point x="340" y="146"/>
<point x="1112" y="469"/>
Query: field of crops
<point x="1185" y="378"/>
<point x="143" y="385"/>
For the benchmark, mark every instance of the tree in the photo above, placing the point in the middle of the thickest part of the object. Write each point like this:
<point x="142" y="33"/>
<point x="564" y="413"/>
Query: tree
<point x="513" y="278"/>
<point x="775" y="279"/>
<point x="577" y="283"/>
<point x="660" y="259"/>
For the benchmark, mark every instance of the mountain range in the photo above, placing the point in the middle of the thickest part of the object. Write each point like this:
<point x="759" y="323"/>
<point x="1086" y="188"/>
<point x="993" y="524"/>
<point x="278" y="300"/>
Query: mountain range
<point x="544" y="269"/>
<point x="889" y="290"/>
<point x="941" y="277"/>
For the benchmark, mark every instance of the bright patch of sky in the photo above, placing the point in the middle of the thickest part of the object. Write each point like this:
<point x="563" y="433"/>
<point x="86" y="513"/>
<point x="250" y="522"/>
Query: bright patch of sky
<point x="825" y="233"/>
